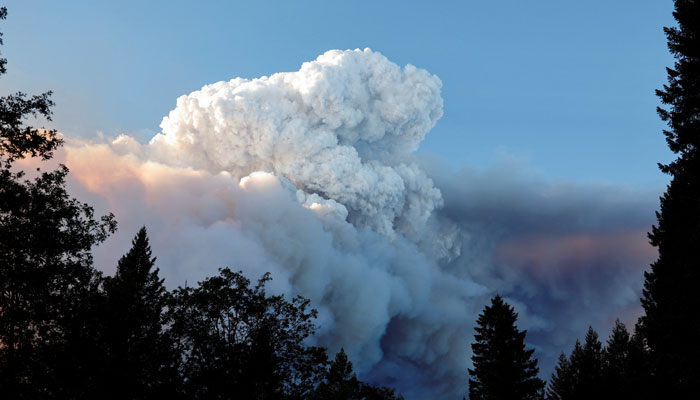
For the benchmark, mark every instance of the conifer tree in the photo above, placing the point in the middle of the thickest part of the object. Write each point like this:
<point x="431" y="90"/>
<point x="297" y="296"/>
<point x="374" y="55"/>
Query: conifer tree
<point x="671" y="324"/>
<point x="341" y="383"/>
<point x="581" y="375"/>
<point x="140" y="360"/>
<point x="562" y="384"/>
<point x="616" y="356"/>
<point x="503" y="368"/>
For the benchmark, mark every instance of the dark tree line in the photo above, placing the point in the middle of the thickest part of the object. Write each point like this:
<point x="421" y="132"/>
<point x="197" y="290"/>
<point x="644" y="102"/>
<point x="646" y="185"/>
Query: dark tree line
<point x="68" y="332"/>
<point x="618" y="369"/>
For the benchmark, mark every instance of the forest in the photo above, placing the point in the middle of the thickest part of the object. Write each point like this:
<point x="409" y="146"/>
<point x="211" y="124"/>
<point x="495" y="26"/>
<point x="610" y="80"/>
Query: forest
<point x="68" y="331"/>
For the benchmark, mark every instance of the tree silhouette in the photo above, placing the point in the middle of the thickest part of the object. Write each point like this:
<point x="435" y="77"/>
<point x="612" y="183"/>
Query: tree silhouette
<point x="341" y="383"/>
<point x="139" y="357"/>
<point x="616" y="368"/>
<point x="671" y="323"/>
<point x="46" y="272"/>
<point x="581" y="375"/>
<point x="238" y="342"/>
<point x="562" y="385"/>
<point x="503" y="368"/>
<point x="18" y="140"/>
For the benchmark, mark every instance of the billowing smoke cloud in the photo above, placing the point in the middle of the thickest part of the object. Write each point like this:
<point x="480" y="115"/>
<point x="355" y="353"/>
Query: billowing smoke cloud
<point x="311" y="175"/>
<point x="340" y="128"/>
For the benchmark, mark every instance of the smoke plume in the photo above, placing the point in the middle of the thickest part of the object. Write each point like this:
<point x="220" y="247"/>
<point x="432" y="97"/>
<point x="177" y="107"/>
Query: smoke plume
<point x="311" y="175"/>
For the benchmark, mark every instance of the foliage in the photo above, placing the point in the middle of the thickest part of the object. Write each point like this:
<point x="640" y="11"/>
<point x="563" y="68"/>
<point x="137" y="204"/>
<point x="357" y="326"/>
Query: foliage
<point x="671" y="323"/>
<point x="238" y="341"/>
<point x="138" y="354"/>
<point x="341" y="383"/>
<point x="581" y="375"/>
<point x="16" y="139"/>
<point x="619" y="370"/>
<point x="45" y="261"/>
<point x="503" y="368"/>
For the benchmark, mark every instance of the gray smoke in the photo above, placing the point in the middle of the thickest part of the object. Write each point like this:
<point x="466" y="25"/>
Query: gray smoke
<point x="311" y="175"/>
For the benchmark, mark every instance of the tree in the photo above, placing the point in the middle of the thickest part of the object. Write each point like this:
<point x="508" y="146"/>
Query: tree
<point x="503" y="368"/>
<point x="16" y="139"/>
<point x="581" y="375"/>
<point x="238" y="342"/>
<point x="46" y="269"/>
<point x="562" y="384"/>
<point x="671" y="323"/>
<point x="616" y="368"/>
<point x="341" y="383"/>
<point x="139" y="356"/>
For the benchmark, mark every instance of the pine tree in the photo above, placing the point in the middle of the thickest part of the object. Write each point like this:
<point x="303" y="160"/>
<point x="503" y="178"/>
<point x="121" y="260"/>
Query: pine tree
<point x="341" y="383"/>
<point x="562" y="384"/>
<point x="139" y="356"/>
<point x="580" y="376"/>
<point x="616" y="369"/>
<point x="503" y="368"/>
<point x="671" y="324"/>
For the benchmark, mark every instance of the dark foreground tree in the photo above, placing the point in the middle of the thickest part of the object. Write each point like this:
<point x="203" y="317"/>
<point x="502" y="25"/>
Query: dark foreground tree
<point x="503" y="368"/>
<point x="139" y="356"/>
<point x="341" y="383"/>
<point x="620" y="370"/>
<point x="239" y="343"/>
<point x="626" y="370"/>
<point x="581" y="375"/>
<point x="46" y="275"/>
<point x="671" y="324"/>
<point x="616" y="368"/>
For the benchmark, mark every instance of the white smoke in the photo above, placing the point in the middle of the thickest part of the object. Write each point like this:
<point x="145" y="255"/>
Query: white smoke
<point x="342" y="128"/>
<point x="310" y="175"/>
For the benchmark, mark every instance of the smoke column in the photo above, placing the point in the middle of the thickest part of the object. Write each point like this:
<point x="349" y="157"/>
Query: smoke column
<point x="310" y="175"/>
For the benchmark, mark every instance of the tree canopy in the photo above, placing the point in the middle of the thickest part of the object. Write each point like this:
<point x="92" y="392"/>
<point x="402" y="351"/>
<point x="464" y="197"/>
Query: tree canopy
<point x="503" y="368"/>
<point x="46" y="272"/>
<point x="671" y="323"/>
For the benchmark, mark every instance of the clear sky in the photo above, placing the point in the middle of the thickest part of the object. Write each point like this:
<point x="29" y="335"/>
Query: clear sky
<point x="566" y="86"/>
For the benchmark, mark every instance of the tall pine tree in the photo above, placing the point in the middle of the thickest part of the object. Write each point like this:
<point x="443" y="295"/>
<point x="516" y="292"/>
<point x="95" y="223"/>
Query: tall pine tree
<point x="341" y="383"/>
<point x="581" y="375"/>
<point x="139" y="355"/>
<point x="671" y="324"/>
<point x="503" y="368"/>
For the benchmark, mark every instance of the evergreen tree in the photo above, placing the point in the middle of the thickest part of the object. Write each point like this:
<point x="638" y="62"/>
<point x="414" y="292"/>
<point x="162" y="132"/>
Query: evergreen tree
<point x="139" y="356"/>
<point x="639" y="372"/>
<point x="616" y="368"/>
<point x="47" y="282"/>
<point x="562" y="384"/>
<point x="581" y="375"/>
<point x="341" y="383"/>
<point x="503" y="368"/>
<point x="671" y="324"/>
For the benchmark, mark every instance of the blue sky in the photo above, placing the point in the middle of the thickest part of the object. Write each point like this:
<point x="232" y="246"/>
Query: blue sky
<point x="566" y="87"/>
